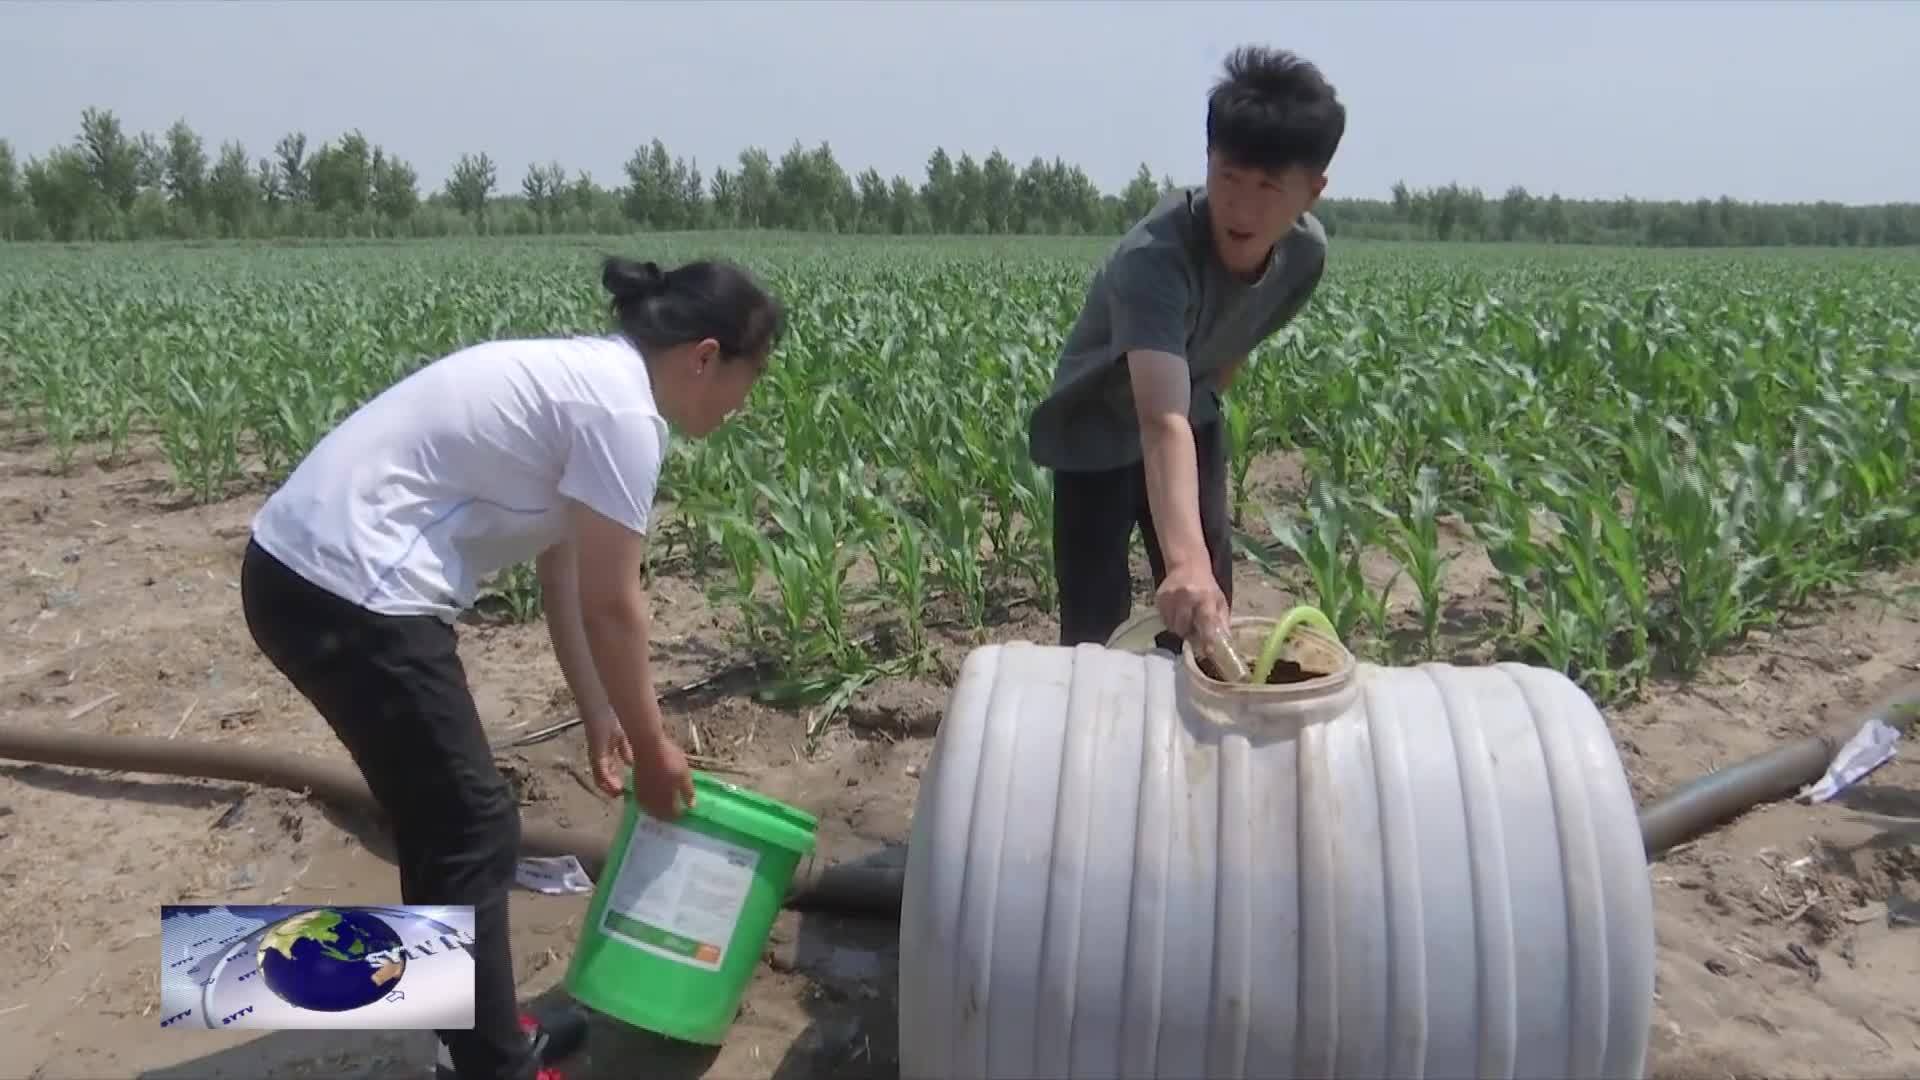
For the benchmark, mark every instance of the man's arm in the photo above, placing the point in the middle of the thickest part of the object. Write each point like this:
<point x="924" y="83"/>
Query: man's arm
<point x="1162" y="393"/>
<point x="1150" y="288"/>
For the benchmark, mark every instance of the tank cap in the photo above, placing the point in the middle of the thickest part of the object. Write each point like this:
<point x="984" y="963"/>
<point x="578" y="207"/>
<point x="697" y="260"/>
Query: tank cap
<point x="1295" y="658"/>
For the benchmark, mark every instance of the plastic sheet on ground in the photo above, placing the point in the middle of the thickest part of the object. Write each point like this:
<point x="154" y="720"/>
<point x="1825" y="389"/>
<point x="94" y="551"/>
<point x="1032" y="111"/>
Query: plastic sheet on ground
<point x="554" y="875"/>
<point x="1871" y="747"/>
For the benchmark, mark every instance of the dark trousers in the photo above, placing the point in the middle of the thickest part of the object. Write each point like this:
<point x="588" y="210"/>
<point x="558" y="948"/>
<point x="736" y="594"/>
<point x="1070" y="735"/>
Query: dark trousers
<point x="395" y="693"/>
<point x="1094" y="517"/>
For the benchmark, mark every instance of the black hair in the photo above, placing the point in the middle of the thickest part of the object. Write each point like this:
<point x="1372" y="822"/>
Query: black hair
<point x="1273" y="110"/>
<point x="657" y="309"/>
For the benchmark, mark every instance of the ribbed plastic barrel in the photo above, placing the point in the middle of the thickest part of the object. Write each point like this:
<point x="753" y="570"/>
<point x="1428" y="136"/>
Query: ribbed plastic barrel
<point x="1120" y="867"/>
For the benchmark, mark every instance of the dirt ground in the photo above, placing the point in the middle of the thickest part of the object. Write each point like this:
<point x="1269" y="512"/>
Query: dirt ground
<point x="119" y="612"/>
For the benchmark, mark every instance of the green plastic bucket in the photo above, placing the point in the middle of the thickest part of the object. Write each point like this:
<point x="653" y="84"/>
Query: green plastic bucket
<point x="681" y="914"/>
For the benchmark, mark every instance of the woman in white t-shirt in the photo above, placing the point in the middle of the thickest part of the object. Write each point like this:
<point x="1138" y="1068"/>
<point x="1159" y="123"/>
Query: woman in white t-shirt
<point x="543" y="449"/>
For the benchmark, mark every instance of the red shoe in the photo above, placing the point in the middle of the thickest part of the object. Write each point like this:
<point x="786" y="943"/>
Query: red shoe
<point x="531" y="1025"/>
<point x="444" y="1071"/>
<point x="557" y="1031"/>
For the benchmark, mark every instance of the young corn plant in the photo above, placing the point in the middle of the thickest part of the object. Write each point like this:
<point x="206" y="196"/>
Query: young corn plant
<point x="1789" y="378"/>
<point x="121" y="398"/>
<point x="895" y="543"/>
<point x="1875" y="442"/>
<point x="1795" y="521"/>
<point x="956" y="530"/>
<point x="1350" y="448"/>
<point x="809" y="562"/>
<point x="1329" y="542"/>
<point x="303" y="412"/>
<point x="200" y="425"/>
<point x="1247" y="431"/>
<point x="1593" y="574"/>
<point x="1503" y="523"/>
<point x="985" y="455"/>
<point x="1696" y="514"/>
<point x="515" y="592"/>
<point x="1032" y="557"/>
<point x="1413" y="538"/>
<point x="710" y="485"/>
<point x="741" y="548"/>
<point x="57" y="392"/>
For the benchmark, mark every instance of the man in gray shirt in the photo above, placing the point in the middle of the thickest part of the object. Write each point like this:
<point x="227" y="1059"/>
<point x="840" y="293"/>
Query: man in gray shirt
<point x="1131" y="429"/>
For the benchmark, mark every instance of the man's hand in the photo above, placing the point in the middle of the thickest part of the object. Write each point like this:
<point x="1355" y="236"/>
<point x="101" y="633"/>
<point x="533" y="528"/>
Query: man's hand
<point x="1190" y="600"/>
<point x="608" y="751"/>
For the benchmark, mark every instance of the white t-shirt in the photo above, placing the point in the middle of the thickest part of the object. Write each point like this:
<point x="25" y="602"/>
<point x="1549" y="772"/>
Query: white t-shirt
<point x="463" y="469"/>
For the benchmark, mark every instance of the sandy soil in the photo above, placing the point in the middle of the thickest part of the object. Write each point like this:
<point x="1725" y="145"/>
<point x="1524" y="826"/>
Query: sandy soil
<point x="119" y="612"/>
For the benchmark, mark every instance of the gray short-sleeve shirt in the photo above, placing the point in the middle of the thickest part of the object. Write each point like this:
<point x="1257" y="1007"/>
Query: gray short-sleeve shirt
<point x="1163" y="290"/>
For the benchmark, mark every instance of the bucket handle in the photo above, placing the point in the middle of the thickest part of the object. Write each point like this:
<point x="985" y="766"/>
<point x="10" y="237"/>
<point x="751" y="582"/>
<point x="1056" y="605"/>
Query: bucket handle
<point x="1138" y="633"/>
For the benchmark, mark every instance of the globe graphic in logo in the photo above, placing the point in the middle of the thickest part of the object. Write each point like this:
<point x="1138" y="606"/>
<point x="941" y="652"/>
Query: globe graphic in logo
<point x="319" y="959"/>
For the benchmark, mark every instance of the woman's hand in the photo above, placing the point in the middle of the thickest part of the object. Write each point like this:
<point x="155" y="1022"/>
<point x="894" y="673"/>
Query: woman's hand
<point x="661" y="776"/>
<point x="608" y="750"/>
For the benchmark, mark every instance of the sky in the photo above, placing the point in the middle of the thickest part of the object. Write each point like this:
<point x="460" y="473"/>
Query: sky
<point x="1759" y="101"/>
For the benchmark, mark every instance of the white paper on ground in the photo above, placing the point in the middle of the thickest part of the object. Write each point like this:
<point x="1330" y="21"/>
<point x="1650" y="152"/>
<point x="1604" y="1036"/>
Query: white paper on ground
<point x="1870" y="748"/>
<point x="554" y="875"/>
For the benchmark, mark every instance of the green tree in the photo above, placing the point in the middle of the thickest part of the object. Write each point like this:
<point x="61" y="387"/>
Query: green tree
<point x="13" y="193"/>
<point x="396" y="190"/>
<point x="1140" y="195"/>
<point x="472" y="180"/>
<point x="232" y="192"/>
<point x="939" y="194"/>
<point x="186" y="169"/>
<point x="64" y="191"/>
<point x="113" y="161"/>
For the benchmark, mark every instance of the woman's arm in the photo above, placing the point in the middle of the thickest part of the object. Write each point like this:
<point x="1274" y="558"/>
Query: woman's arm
<point x="609" y="755"/>
<point x="613" y="619"/>
<point x="560" y="595"/>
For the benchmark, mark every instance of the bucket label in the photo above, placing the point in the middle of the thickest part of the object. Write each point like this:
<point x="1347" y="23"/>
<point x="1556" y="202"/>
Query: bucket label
<point x="679" y="893"/>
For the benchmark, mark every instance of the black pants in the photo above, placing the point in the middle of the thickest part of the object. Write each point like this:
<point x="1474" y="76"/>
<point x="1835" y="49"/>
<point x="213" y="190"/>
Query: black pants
<point x="394" y="691"/>
<point x="1094" y="516"/>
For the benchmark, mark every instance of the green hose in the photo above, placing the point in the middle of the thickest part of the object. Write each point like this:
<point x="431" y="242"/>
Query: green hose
<point x="1270" y="653"/>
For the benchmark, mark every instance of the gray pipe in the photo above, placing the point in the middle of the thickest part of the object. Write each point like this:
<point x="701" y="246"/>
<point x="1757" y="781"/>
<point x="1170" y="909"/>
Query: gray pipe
<point x="869" y="886"/>
<point x="1724" y="793"/>
<point x="1701" y="804"/>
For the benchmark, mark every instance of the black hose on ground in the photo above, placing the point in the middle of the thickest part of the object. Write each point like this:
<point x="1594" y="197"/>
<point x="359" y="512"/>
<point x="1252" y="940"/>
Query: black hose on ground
<point x="861" y="887"/>
<point x="1710" y="800"/>
<point x="1703" y="803"/>
<point x="869" y="886"/>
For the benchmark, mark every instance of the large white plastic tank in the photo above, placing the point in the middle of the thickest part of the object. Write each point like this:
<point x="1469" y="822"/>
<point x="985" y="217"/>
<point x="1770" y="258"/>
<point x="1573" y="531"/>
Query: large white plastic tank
<point x="1120" y="867"/>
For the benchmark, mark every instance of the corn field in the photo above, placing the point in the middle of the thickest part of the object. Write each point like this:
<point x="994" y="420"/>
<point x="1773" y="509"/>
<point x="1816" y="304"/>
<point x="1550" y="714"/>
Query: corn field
<point x="1657" y="452"/>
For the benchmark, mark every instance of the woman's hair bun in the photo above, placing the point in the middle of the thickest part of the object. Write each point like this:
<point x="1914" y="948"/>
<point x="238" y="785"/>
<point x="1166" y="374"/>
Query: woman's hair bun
<point x="630" y="281"/>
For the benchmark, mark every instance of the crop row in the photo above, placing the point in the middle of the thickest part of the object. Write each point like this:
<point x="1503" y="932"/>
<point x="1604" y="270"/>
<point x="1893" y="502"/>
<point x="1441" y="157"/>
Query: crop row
<point x="1656" y="452"/>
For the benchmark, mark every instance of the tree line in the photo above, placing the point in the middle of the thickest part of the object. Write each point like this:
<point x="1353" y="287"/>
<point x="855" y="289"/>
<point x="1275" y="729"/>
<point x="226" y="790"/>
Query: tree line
<point x="111" y="185"/>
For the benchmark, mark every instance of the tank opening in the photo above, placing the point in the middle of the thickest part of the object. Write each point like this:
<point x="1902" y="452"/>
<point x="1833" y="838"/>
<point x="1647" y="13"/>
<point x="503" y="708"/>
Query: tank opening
<point x="1285" y="672"/>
